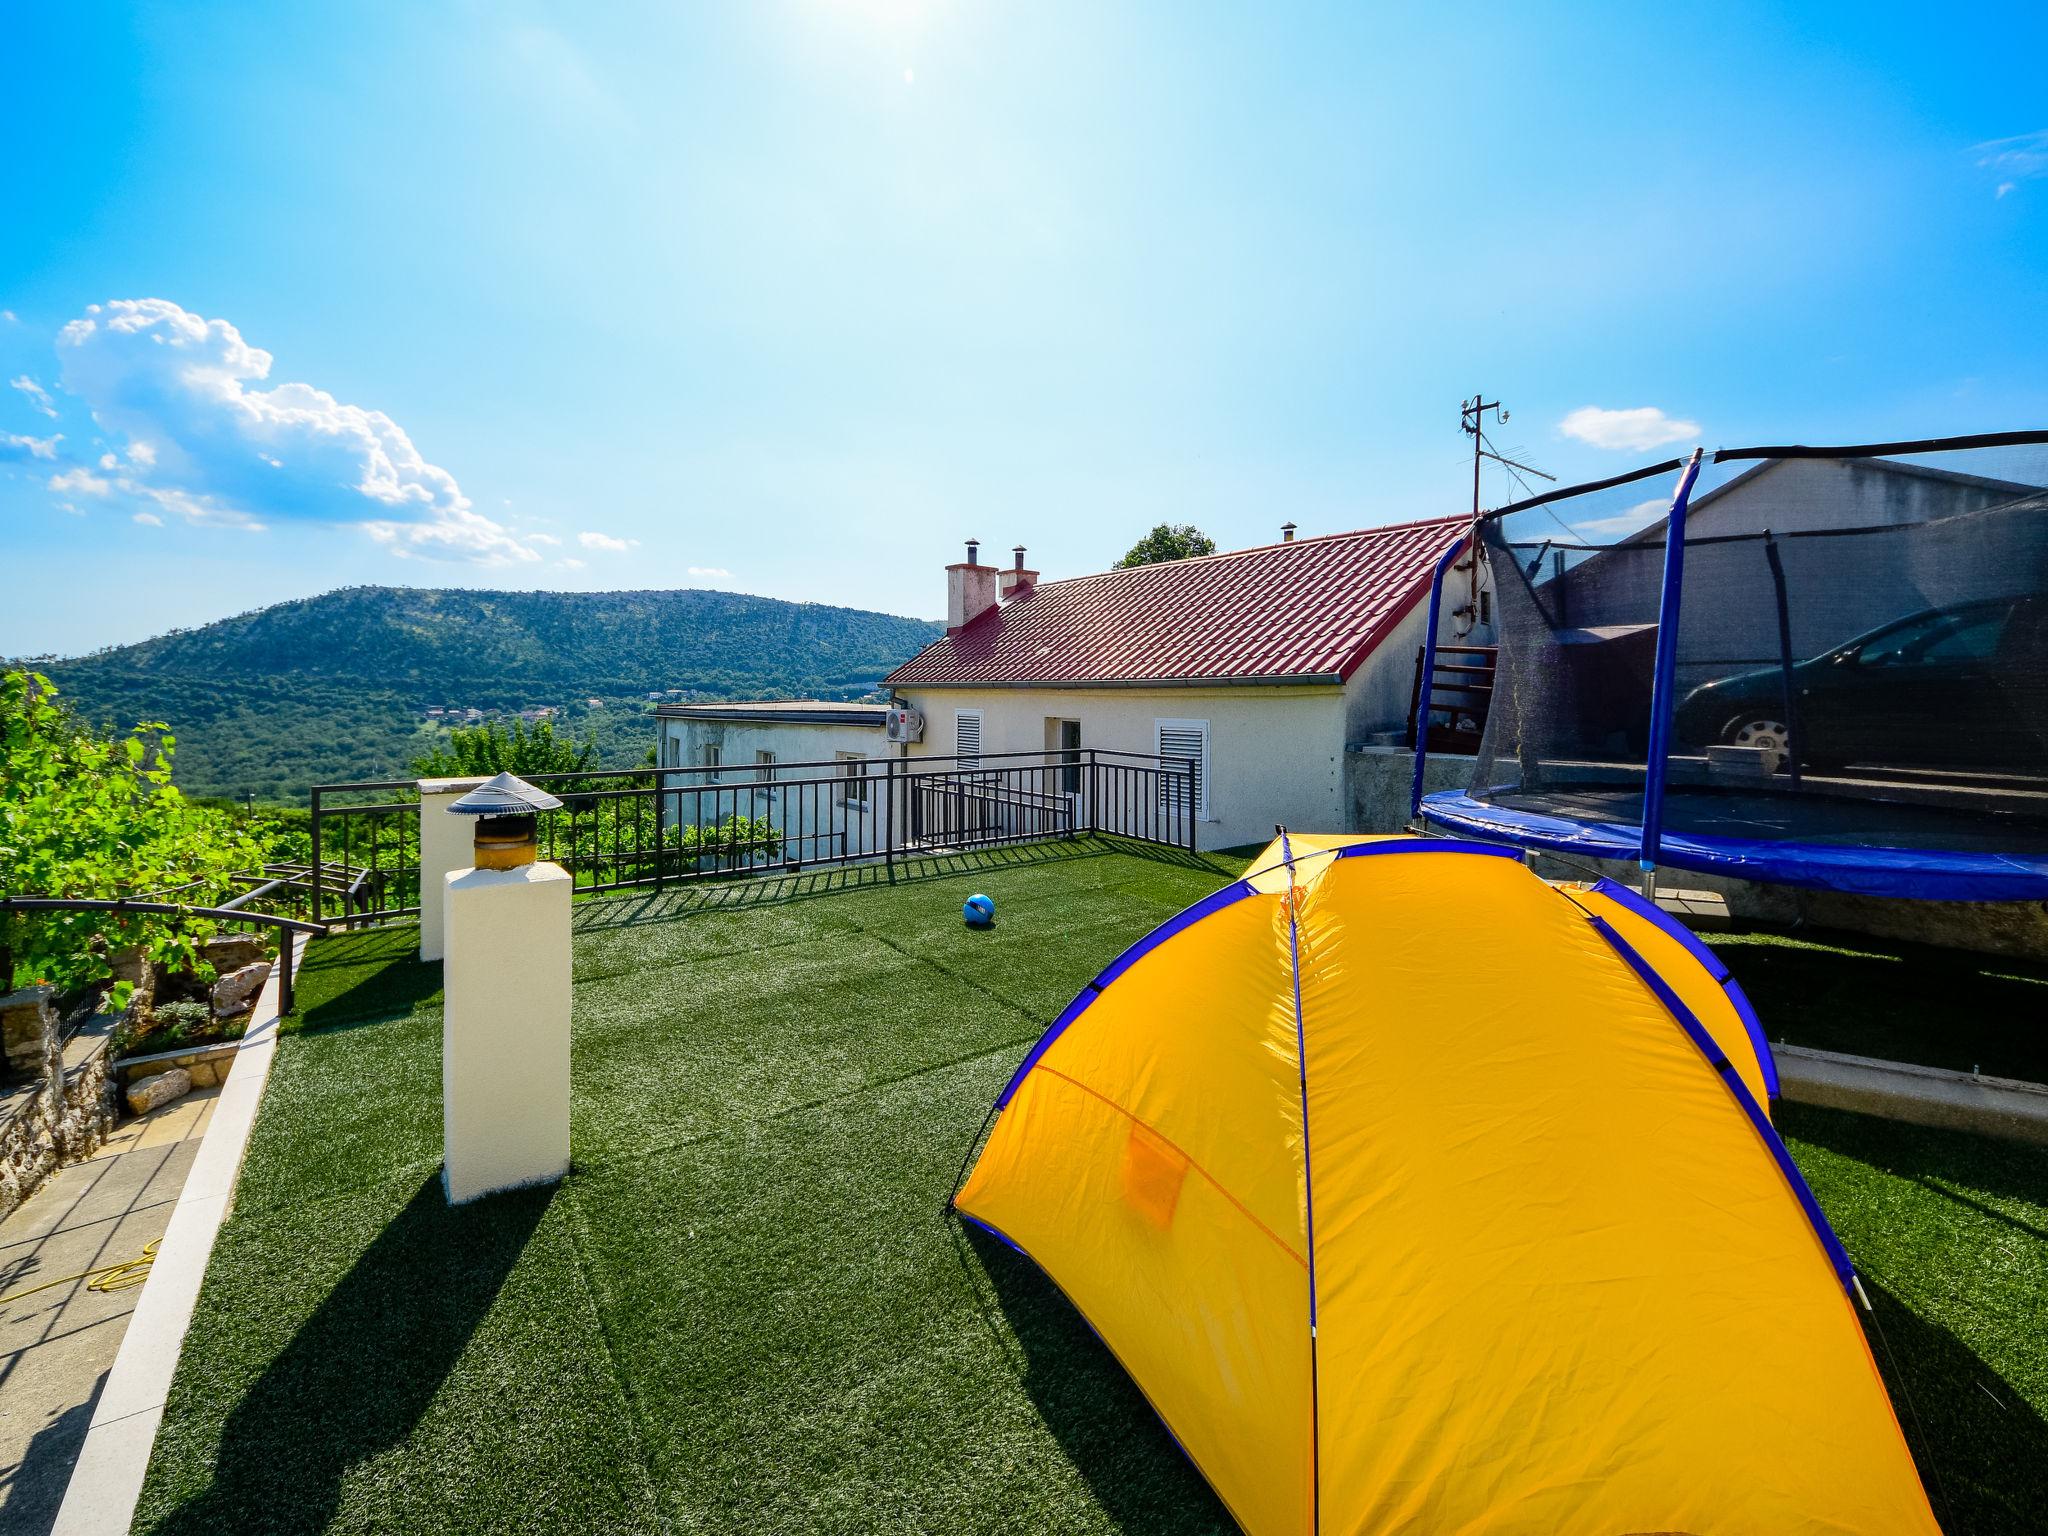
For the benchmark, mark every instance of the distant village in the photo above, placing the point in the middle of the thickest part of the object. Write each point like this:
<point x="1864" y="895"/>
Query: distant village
<point x="471" y="714"/>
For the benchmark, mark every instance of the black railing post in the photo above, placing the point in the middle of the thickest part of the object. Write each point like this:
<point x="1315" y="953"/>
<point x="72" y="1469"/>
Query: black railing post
<point x="1190" y="844"/>
<point x="316" y="855"/>
<point x="285" y="994"/>
<point x="889" y="813"/>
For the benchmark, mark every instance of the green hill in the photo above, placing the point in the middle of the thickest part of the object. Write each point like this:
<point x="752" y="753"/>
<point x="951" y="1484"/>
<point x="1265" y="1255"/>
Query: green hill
<point x="337" y="687"/>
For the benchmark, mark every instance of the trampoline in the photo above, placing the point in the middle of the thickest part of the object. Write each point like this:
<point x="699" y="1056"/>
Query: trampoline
<point x="1820" y="667"/>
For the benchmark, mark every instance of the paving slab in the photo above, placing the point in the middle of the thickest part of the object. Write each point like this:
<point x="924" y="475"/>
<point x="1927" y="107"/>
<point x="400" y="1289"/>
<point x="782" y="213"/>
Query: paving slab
<point x="57" y="1345"/>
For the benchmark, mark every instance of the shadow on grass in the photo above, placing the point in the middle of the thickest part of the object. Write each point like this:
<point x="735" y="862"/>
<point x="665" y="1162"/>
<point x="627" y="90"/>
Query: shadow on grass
<point x="1981" y="1448"/>
<point x="357" y="1376"/>
<point x="1903" y="1002"/>
<point x="357" y="978"/>
<point x="736" y="893"/>
<point x="1935" y="1158"/>
<point x="1116" y="1442"/>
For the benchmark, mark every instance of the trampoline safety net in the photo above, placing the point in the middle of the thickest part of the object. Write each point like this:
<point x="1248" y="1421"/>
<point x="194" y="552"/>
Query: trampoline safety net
<point x="1859" y="692"/>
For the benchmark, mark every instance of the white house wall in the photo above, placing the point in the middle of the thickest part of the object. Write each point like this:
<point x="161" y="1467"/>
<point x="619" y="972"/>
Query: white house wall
<point x="811" y="818"/>
<point x="1275" y="754"/>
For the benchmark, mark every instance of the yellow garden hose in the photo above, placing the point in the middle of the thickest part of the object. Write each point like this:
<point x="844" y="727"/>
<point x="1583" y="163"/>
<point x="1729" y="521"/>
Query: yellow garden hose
<point x="108" y="1277"/>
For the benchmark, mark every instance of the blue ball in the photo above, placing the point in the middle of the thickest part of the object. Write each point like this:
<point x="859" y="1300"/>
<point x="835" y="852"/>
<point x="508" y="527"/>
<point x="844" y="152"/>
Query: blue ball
<point x="978" y="912"/>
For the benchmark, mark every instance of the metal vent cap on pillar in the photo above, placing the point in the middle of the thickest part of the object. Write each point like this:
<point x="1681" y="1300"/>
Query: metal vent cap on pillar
<point x="506" y="795"/>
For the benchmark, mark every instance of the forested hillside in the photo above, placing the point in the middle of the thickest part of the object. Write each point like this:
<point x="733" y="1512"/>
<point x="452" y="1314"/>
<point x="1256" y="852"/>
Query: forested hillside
<point x="338" y="687"/>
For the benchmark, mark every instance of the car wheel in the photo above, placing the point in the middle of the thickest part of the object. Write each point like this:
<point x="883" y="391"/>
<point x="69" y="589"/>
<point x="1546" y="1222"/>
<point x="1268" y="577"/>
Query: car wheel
<point x="1757" y="731"/>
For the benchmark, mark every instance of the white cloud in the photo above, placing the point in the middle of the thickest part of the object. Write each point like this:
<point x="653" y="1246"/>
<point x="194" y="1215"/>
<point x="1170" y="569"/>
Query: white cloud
<point x="571" y="563"/>
<point x="542" y="538"/>
<point x="2023" y="157"/>
<point x="81" y="480"/>
<point x="13" y="446"/>
<point x="606" y="542"/>
<point x="38" y="396"/>
<point x="710" y="573"/>
<point x="1636" y="429"/>
<point x="206" y="444"/>
<point x="149" y="520"/>
<point x="1637" y="517"/>
<point x="9" y="316"/>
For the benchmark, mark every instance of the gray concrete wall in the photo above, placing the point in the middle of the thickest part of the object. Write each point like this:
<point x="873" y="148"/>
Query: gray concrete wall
<point x="1379" y="780"/>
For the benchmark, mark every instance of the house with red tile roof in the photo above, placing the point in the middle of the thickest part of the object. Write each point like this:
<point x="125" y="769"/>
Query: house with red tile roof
<point x="1261" y="665"/>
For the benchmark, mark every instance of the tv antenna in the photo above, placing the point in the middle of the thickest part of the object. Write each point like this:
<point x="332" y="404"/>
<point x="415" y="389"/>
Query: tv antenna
<point x="1472" y="421"/>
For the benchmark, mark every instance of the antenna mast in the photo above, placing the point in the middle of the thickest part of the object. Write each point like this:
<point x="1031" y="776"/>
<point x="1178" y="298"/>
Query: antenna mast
<point x="1472" y="421"/>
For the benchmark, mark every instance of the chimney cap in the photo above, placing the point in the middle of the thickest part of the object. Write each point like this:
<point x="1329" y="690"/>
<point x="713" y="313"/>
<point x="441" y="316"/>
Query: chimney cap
<point x="1018" y="551"/>
<point x="504" y="795"/>
<point x="1287" y="533"/>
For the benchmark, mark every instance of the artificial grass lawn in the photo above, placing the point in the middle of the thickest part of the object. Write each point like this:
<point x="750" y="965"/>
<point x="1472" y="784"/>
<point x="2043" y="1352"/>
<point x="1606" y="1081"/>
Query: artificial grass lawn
<point x="744" y="1310"/>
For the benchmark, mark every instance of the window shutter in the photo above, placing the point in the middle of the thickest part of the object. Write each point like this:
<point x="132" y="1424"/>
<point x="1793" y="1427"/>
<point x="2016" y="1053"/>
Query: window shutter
<point x="967" y="738"/>
<point x="1179" y="740"/>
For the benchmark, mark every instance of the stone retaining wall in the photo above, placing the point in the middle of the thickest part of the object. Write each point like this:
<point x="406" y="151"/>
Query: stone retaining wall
<point x="62" y="1115"/>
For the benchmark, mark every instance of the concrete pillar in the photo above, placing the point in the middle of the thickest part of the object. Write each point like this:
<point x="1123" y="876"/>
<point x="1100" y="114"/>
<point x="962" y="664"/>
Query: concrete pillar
<point x="505" y="1028"/>
<point x="445" y="844"/>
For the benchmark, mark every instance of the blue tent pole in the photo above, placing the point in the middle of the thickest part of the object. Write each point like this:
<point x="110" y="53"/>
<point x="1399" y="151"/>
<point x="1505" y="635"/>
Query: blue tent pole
<point x="1436" y="605"/>
<point x="1666" y="667"/>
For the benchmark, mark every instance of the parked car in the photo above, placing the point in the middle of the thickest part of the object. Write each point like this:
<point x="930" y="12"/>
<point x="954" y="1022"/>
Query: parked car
<point x="1965" y="685"/>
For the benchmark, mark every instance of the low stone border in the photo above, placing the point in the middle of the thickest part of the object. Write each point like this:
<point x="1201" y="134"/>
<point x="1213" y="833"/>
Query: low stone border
<point x="107" y="1479"/>
<point x="1897" y="1090"/>
<point x="210" y="1061"/>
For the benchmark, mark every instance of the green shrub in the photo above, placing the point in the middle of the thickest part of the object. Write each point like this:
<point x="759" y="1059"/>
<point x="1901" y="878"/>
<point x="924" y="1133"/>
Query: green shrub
<point x="737" y="838"/>
<point x="179" y="1024"/>
<point x="96" y="817"/>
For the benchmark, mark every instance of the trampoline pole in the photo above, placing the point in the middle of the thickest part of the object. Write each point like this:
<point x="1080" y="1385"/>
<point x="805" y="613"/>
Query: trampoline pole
<point x="1661" y="679"/>
<point x="1436" y="604"/>
<point x="1795" y="734"/>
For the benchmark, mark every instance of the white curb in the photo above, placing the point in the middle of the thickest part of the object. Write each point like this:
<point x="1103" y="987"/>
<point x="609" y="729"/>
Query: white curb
<point x="1898" y="1090"/>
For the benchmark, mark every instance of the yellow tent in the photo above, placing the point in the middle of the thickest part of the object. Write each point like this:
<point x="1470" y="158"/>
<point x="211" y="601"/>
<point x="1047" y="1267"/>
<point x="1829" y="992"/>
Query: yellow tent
<point x="1417" y="1194"/>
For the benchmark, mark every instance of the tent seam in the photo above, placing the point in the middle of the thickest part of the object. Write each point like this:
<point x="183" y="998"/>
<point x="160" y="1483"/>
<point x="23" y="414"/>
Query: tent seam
<point x="1308" y="1194"/>
<point x="1214" y="1183"/>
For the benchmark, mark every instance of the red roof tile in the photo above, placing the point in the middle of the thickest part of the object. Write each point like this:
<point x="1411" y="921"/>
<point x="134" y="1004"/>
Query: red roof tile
<point x="1313" y="608"/>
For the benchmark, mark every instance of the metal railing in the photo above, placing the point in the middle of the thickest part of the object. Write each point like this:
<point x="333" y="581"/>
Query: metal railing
<point x="233" y="913"/>
<point x="636" y="827"/>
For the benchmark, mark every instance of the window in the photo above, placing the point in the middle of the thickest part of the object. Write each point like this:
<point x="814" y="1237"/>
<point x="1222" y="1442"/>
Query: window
<point x="712" y="756"/>
<point x="967" y="738"/>
<point x="671" y="751"/>
<point x="1948" y="635"/>
<point x="853" y="778"/>
<point x="1179" y="743"/>
<point x="1973" y="638"/>
<point x="764" y="766"/>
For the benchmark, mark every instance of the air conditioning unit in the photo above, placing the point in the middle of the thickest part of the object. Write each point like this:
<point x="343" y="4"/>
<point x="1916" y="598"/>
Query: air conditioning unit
<point x="903" y="724"/>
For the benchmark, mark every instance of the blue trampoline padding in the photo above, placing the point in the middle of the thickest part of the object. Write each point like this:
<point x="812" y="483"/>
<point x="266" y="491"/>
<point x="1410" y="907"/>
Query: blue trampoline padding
<point x="1925" y="875"/>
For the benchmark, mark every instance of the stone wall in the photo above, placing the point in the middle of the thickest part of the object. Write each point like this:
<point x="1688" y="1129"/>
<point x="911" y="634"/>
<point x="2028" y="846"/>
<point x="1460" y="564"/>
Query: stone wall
<point x="63" y="1113"/>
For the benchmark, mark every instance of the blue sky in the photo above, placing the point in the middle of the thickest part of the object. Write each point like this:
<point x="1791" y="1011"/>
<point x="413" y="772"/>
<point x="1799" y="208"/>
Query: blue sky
<point x="792" y="296"/>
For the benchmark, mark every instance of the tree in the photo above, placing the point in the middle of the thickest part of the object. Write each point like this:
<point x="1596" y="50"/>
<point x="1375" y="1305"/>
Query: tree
<point x="477" y="751"/>
<point x="1168" y="541"/>
<point x="97" y="817"/>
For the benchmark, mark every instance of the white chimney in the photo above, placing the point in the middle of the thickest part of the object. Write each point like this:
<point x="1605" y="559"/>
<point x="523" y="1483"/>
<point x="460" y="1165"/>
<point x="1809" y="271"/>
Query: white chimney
<point x="1016" y="581"/>
<point x="970" y="589"/>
